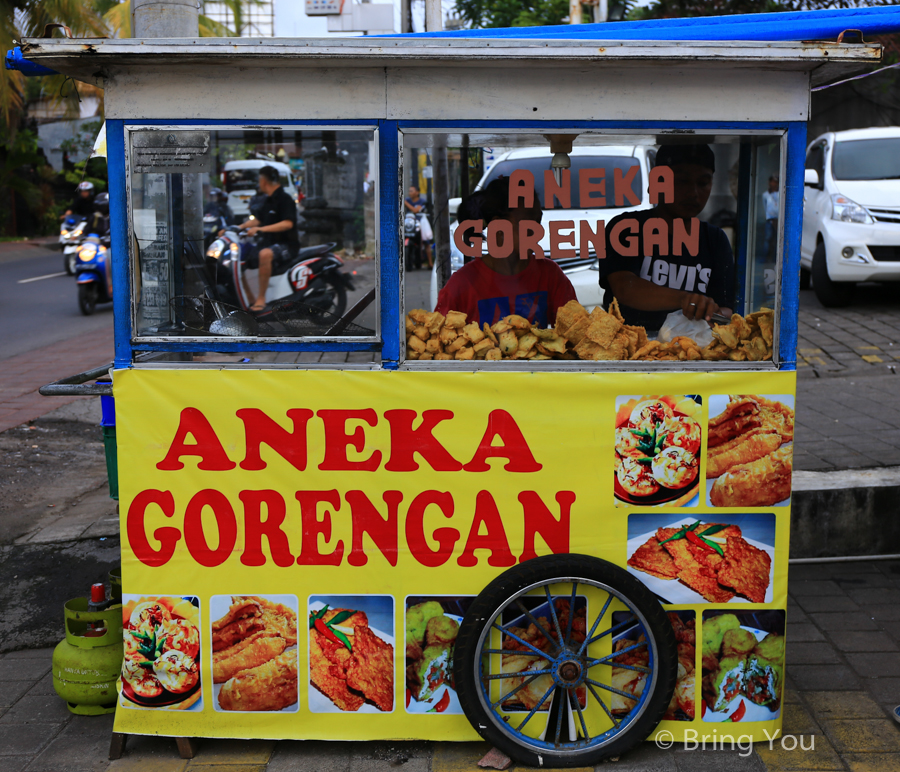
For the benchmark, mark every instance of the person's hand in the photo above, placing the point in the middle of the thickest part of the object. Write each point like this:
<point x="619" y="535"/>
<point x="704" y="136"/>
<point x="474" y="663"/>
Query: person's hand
<point x="252" y="230"/>
<point x="697" y="306"/>
<point x="221" y="232"/>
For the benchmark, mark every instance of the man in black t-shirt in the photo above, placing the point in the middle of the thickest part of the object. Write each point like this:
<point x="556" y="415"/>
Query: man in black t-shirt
<point x="83" y="205"/>
<point x="277" y="227"/>
<point x="649" y="285"/>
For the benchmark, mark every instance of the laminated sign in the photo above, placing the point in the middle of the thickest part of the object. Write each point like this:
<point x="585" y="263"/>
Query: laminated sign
<point x="300" y="547"/>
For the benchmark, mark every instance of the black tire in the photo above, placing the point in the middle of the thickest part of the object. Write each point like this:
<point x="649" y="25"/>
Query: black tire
<point x="69" y="262"/>
<point x="804" y="279"/>
<point x="340" y="296"/>
<point x="565" y="569"/>
<point x="831" y="294"/>
<point x="87" y="298"/>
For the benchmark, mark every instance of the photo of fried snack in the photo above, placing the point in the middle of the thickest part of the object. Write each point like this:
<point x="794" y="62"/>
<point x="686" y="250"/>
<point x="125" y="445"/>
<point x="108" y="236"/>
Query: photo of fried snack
<point x="161" y="637"/>
<point x="351" y="653"/>
<point x="630" y="681"/>
<point x="743" y="665"/>
<point x="255" y="655"/>
<point x="749" y="459"/>
<point x="657" y="450"/>
<point x="689" y="560"/>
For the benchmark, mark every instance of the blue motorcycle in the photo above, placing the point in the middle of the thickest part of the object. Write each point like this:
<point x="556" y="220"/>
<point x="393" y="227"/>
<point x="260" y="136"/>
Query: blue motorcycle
<point x="93" y="273"/>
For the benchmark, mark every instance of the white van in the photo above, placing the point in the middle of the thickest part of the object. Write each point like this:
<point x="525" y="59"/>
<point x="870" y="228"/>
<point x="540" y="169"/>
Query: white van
<point x="583" y="273"/>
<point x="851" y="212"/>
<point x="242" y="177"/>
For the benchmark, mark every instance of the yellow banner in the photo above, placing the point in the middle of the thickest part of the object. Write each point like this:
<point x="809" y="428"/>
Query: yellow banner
<point x="299" y="547"/>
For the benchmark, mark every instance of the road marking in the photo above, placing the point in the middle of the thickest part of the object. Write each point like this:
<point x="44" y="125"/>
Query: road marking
<point x="38" y="278"/>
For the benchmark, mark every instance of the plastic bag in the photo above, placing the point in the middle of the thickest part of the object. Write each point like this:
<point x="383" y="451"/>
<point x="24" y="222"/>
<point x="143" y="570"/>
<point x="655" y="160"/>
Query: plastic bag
<point x="678" y="324"/>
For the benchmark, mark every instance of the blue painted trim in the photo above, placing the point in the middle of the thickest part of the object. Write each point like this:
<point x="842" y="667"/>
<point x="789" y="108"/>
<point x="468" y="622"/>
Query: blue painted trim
<point x="121" y="262"/>
<point x="390" y="247"/>
<point x="795" y="159"/>
<point x="647" y="126"/>
<point x="744" y="226"/>
<point x="802" y="25"/>
<point x="247" y="123"/>
<point x="217" y="344"/>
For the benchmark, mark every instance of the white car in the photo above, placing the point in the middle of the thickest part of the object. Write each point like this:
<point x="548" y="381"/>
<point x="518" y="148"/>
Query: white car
<point x="242" y="177"/>
<point x="582" y="272"/>
<point x="851" y="212"/>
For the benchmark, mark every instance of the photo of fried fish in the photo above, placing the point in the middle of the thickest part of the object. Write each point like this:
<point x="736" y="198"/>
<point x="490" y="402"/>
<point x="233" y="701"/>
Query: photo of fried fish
<point x="255" y="656"/>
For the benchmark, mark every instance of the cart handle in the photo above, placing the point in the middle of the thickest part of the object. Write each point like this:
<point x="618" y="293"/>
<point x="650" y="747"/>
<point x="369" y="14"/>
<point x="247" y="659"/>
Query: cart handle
<point x="77" y="385"/>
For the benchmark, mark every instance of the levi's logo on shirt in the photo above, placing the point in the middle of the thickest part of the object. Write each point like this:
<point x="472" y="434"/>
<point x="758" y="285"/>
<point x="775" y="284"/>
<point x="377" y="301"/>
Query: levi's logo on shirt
<point x="531" y="305"/>
<point x="691" y="278"/>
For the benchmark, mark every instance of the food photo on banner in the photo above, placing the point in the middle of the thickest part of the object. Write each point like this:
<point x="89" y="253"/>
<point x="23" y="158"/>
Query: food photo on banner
<point x="161" y="669"/>
<point x="657" y="443"/>
<point x="351" y="653"/>
<point x="749" y="457"/>
<point x="255" y="654"/>
<point x="743" y="665"/>
<point x="710" y="559"/>
<point x="630" y="681"/>
<point x="432" y="625"/>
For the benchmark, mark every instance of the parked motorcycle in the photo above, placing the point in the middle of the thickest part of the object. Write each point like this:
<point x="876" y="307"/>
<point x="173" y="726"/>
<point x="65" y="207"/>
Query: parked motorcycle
<point x="412" y="242"/>
<point x="71" y="233"/>
<point x="312" y="283"/>
<point x="93" y="273"/>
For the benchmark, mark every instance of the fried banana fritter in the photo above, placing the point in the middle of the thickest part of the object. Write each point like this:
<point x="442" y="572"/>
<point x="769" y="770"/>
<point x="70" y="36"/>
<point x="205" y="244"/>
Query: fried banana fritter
<point x="270" y="686"/>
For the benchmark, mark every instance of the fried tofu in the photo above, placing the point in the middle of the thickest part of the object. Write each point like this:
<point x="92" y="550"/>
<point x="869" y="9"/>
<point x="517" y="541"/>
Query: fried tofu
<point x="653" y="559"/>
<point x="746" y="570"/>
<point x="371" y="669"/>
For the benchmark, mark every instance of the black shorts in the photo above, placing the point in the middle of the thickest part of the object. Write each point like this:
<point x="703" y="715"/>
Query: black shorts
<point x="282" y="257"/>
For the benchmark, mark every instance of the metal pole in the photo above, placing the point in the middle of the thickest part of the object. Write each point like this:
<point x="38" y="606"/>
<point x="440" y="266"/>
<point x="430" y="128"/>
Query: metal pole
<point x="434" y="17"/>
<point x="574" y="11"/>
<point x="165" y="18"/>
<point x="434" y="22"/>
<point x="601" y="10"/>
<point x="404" y="16"/>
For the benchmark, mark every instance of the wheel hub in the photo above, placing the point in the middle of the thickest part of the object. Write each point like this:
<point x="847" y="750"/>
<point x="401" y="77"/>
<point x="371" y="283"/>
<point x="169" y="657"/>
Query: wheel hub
<point x="569" y="672"/>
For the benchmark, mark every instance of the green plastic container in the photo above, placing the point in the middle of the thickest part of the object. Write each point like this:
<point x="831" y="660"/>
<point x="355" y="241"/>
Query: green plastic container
<point x="85" y="668"/>
<point x="112" y="461"/>
<point x="115" y="584"/>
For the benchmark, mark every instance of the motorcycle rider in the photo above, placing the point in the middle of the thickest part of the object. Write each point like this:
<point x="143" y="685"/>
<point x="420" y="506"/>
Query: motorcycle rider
<point x="276" y="223"/>
<point x="98" y="222"/>
<point x="416" y="204"/>
<point x="218" y="205"/>
<point x="83" y="204"/>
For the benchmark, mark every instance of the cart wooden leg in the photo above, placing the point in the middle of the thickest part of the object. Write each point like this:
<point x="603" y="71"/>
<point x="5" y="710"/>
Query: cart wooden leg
<point x="117" y="745"/>
<point x="187" y="747"/>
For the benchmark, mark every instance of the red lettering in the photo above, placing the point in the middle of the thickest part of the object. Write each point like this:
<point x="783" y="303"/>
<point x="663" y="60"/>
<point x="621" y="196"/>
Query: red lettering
<point x="406" y="442"/>
<point x="498" y="247"/>
<point x="226" y="525"/>
<point x="207" y="445"/>
<point x="540" y="520"/>
<point x="368" y="520"/>
<point x="477" y="242"/>
<point x="530" y="235"/>
<point x="514" y="448"/>
<point x="167" y="536"/>
<point x="259" y="429"/>
<point x="521" y="188"/>
<point x="622" y="184"/>
<point x="337" y="440"/>
<point x="662" y="180"/>
<point x="494" y="539"/>
<point x="596" y="238"/>
<point x="561" y="192"/>
<point x="682" y="237"/>
<point x="586" y="186"/>
<point x="446" y="538"/>
<point x="312" y="527"/>
<point x="255" y="528"/>
<point x="557" y="238"/>
<point x="656" y="234"/>
<point x="630" y="247"/>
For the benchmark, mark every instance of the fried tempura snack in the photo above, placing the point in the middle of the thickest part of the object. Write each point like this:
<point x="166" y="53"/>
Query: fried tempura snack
<point x="760" y="483"/>
<point x="741" y="450"/>
<point x="271" y="686"/>
<point x="229" y="663"/>
<point x="455" y="319"/>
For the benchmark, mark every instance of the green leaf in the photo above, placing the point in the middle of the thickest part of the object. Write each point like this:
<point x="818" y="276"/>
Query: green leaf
<point x="341" y="616"/>
<point x="343" y="638"/>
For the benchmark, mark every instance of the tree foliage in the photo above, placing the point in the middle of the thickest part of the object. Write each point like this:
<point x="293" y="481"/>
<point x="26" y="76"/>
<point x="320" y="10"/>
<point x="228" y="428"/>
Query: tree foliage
<point x="512" y="13"/>
<point x="670" y="9"/>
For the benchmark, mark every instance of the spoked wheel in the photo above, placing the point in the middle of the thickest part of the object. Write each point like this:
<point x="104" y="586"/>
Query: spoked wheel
<point x="87" y="298"/>
<point x="541" y="650"/>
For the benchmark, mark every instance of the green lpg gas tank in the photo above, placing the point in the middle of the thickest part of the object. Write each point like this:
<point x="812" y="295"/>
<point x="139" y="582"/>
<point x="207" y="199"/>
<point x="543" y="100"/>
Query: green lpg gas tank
<point x="85" y="668"/>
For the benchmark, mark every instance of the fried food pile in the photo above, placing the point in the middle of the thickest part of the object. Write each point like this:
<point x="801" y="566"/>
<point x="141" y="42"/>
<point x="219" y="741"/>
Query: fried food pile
<point x="162" y="650"/>
<point x="746" y="454"/>
<point x="348" y="663"/>
<point x="597" y="336"/>
<point x="255" y="655"/>
<point x="712" y="559"/>
<point x="736" y="664"/>
<point x="632" y="681"/>
<point x="657" y="445"/>
<point x="430" y="640"/>
<point x="520" y="659"/>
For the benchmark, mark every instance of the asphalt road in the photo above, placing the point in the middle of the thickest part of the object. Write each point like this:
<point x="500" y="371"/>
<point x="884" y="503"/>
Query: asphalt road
<point x="35" y="311"/>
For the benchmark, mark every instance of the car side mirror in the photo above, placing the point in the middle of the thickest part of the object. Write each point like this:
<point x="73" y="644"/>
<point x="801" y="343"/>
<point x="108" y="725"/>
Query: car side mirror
<point x="811" y="178"/>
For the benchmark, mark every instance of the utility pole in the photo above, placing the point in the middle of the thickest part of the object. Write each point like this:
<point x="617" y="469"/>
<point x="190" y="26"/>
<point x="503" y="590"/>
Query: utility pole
<point x="574" y="11"/>
<point x="165" y="18"/>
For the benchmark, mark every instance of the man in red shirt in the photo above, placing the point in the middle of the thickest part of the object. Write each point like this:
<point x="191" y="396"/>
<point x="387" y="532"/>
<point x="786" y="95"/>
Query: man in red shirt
<point x="489" y="288"/>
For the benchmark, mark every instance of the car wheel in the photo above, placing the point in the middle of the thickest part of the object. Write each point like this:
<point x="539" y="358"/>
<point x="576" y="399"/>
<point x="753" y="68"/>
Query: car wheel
<point x="804" y="279"/>
<point x="831" y="294"/>
<point x="567" y="718"/>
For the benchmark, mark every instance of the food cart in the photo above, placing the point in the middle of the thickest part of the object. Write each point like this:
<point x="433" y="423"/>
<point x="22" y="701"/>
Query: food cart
<point x="349" y="521"/>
